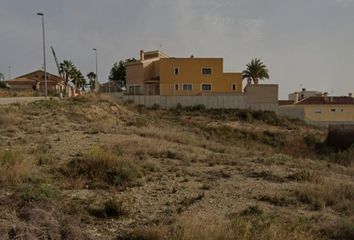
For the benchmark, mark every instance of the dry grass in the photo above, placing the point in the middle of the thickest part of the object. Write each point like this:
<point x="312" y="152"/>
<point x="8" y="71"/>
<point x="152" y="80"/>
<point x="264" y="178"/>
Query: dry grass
<point x="102" y="165"/>
<point x="14" y="168"/>
<point x="328" y="195"/>
<point x="250" y="226"/>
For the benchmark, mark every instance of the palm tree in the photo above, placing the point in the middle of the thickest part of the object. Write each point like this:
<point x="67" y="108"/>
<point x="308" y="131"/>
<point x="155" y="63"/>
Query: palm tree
<point x="78" y="79"/>
<point x="66" y="68"/>
<point x="256" y="70"/>
<point x="92" y="80"/>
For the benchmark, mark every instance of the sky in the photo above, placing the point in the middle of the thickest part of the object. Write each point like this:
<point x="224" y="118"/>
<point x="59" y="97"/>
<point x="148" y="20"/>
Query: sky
<point x="304" y="43"/>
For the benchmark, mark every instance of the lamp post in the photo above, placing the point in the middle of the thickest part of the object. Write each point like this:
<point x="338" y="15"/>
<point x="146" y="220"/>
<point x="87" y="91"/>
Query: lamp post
<point x="9" y="72"/>
<point x="44" y="57"/>
<point x="96" y="82"/>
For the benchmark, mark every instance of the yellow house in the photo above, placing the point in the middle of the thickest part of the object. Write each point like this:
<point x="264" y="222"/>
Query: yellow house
<point x="158" y="74"/>
<point x="321" y="109"/>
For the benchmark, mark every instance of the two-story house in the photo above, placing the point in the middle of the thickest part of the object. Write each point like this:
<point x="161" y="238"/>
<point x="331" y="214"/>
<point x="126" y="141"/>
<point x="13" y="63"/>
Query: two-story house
<point x="158" y="74"/>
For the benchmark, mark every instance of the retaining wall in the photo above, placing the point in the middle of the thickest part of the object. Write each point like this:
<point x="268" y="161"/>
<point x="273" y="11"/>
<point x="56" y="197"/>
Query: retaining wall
<point x="210" y="102"/>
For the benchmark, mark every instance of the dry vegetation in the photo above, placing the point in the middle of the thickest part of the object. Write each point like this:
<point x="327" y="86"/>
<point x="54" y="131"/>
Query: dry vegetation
<point x="95" y="168"/>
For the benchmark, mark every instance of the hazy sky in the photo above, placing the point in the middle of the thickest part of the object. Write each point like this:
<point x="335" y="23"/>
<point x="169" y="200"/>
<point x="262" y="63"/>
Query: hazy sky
<point x="308" y="43"/>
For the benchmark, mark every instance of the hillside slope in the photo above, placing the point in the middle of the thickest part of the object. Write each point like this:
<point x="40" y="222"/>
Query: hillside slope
<point x="94" y="168"/>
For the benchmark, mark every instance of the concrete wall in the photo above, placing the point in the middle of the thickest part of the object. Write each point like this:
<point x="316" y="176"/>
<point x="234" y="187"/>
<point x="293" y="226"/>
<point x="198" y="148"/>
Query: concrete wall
<point x="250" y="100"/>
<point x="291" y="111"/>
<point x="210" y="102"/>
<point x="262" y="93"/>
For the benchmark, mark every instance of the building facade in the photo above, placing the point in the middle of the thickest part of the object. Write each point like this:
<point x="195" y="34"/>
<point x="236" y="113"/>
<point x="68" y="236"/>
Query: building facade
<point x="34" y="81"/>
<point x="321" y="110"/>
<point x="157" y="74"/>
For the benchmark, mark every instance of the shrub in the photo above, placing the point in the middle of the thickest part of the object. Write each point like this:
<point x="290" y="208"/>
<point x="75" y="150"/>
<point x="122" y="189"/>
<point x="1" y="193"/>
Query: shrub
<point x="99" y="164"/>
<point x="138" y="122"/>
<point x="110" y="209"/>
<point x="35" y="189"/>
<point x="345" y="157"/>
<point x="196" y="108"/>
<point x="14" y="169"/>
<point x="155" y="107"/>
<point x="344" y="230"/>
<point x="252" y="210"/>
<point x="144" y="234"/>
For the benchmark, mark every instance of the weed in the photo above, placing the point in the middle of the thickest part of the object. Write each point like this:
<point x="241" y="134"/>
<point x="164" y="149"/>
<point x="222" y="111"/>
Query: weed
<point x="306" y="176"/>
<point x="99" y="164"/>
<point x="339" y="198"/>
<point x="14" y="169"/>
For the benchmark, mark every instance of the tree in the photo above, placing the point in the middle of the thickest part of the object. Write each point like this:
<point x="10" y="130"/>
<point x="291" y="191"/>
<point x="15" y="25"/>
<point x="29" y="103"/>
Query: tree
<point x="256" y="70"/>
<point x="77" y="78"/>
<point x="66" y="69"/>
<point x="2" y="83"/>
<point x="92" y="80"/>
<point x="118" y="72"/>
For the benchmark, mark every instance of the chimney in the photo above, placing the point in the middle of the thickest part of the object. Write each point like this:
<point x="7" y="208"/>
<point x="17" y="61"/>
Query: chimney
<point x="296" y="97"/>
<point x="142" y="55"/>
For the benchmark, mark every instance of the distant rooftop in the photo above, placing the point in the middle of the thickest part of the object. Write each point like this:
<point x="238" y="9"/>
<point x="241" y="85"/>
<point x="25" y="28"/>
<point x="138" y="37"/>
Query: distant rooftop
<point x="326" y="100"/>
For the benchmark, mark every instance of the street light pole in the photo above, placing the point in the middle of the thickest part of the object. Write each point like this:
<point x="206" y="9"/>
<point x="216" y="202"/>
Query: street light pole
<point x="96" y="83"/>
<point x="44" y="57"/>
<point x="9" y="72"/>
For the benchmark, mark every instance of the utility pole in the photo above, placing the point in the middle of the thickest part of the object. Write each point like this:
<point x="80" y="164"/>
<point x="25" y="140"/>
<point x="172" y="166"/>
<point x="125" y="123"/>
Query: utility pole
<point x="96" y="83"/>
<point x="44" y="56"/>
<point x="9" y="72"/>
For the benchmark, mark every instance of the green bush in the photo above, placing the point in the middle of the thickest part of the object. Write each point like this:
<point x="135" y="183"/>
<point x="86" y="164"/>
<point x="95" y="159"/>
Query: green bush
<point x="37" y="189"/>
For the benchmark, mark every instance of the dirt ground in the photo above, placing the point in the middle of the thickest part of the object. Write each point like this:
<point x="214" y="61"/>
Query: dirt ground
<point x="197" y="171"/>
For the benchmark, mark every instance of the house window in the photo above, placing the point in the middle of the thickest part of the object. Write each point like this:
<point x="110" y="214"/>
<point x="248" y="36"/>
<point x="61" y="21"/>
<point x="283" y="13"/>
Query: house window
<point x="318" y="111"/>
<point x="234" y="87"/>
<point x="187" y="87"/>
<point x="206" y="71"/>
<point x="176" y="86"/>
<point x="333" y="110"/>
<point x="176" y="71"/>
<point x="206" y="87"/>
